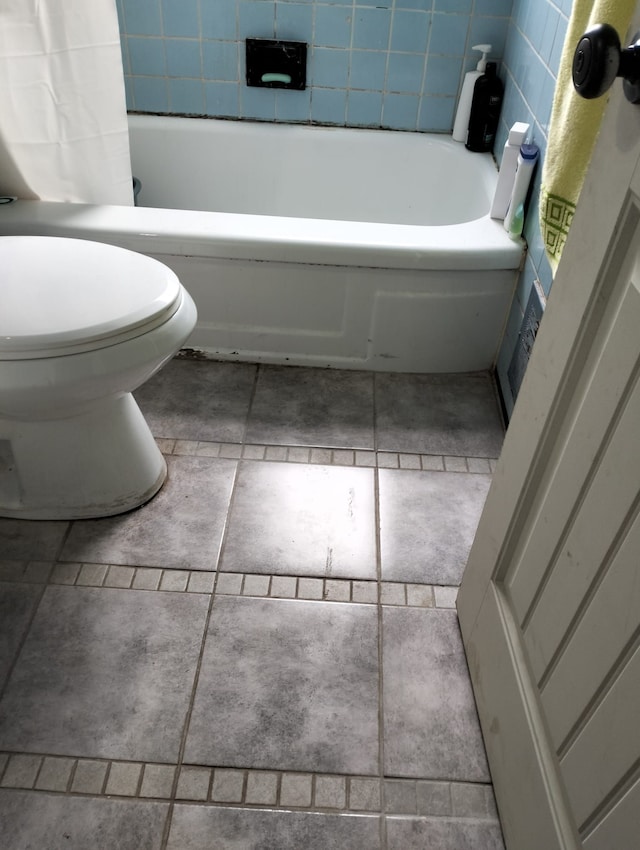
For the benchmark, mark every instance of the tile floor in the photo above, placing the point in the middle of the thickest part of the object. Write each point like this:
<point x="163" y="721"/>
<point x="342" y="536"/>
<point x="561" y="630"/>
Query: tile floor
<point x="267" y="655"/>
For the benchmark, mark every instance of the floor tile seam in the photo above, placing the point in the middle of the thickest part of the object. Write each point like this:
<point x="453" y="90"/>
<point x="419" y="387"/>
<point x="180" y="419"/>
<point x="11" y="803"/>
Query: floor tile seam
<point x="25" y="571"/>
<point x="26" y="629"/>
<point x="258" y="370"/>
<point x="196" y="677"/>
<point x="330" y="456"/>
<point x="252" y="585"/>
<point x="382" y="823"/>
<point x="254" y="787"/>
<point x="147" y="577"/>
<point x="323" y="589"/>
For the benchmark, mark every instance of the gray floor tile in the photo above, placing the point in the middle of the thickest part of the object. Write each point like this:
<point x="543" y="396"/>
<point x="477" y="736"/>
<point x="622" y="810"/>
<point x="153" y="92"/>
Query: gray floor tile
<point x="17" y="603"/>
<point x="180" y="528"/>
<point x="31" y="540"/>
<point x="193" y="828"/>
<point x="54" y="822"/>
<point x="288" y="685"/>
<point x="188" y="400"/>
<point x="427" y="523"/>
<point x="438" y="414"/>
<point x="431" y="728"/>
<point x="104" y="673"/>
<point x="302" y="520"/>
<point x="312" y="407"/>
<point x="443" y="834"/>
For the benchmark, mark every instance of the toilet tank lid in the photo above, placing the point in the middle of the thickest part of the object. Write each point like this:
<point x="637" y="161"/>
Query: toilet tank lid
<point x="57" y="292"/>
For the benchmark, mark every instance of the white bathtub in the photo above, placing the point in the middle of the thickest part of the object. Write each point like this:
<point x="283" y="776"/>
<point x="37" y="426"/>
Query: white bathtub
<point x="314" y="246"/>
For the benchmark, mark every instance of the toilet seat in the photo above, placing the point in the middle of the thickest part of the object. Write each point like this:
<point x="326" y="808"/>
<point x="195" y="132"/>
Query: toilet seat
<point x="62" y="296"/>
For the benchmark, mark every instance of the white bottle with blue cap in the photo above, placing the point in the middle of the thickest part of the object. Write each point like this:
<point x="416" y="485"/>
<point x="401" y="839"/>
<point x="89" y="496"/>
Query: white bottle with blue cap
<point x="508" y="166"/>
<point x="527" y="159"/>
<point x="461" y="124"/>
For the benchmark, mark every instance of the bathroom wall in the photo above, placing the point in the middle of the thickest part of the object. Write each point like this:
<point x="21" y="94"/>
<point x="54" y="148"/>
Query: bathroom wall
<point x="376" y="63"/>
<point x="532" y="56"/>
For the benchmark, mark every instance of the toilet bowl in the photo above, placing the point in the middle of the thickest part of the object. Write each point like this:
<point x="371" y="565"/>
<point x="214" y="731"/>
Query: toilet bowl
<point x="82" y="325"/>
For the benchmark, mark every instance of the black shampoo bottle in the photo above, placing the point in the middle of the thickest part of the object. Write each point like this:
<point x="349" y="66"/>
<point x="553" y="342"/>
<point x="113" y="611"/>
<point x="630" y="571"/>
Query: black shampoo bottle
<point x="485" y="110"/>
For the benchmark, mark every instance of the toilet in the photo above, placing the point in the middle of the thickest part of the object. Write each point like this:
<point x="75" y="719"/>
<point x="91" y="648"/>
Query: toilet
<point x="82" y="325"/>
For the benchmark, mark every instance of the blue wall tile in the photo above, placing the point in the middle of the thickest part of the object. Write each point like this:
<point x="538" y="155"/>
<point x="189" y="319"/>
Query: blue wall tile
<point x="400" y="111"/>
<point x="329" y="106"/>
<point x="219" y="19"/>
<point x="147" y="57"/>
<point x="373" y="46"/>
<point x="449" y="34"/>
<point x="150" y="94"/>
<point x="463" y="6"/>
<point x="294" y="21"/>
<point x="533" y="49"/>
<point x="491" y="31"/>
<point x="330" y="68"/>
<point x="293" y="105"/>
<point x="371" y="28"/>
<point x="422" y="5"/>
<point x="220" y="60"/>
<point x="410" y="31"/>
<point x="436" y="114"/>
<point x="368" y="69"/>
<point x="498" y="8"/>
<point x="404" y="73"/>
<point x="364" y="108"/>
<point x="141" y="17"/>
<point x="258" y="103"/>
<point x="180" y="18"/>
<point x="256" y="18"/>
<point x="442" y="75"/>
<point x="333" y="26"/>
<point x="186" y="96"/>
<point x="183" y="57"/>
<point x="221" y="99"/>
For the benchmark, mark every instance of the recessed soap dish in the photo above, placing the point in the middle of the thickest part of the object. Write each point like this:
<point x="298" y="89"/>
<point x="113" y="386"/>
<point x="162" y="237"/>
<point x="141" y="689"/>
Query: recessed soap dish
<point x="276" y="64"/>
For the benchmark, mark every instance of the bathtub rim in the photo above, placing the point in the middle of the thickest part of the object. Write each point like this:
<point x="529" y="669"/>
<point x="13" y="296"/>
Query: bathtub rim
<point x="477" y="245"/>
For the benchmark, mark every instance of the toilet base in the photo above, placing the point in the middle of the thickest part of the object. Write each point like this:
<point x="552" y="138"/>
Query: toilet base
<point x="97" y="463"/>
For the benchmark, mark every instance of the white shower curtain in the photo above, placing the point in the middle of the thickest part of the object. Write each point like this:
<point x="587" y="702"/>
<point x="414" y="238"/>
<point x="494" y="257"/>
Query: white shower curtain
<point x="63" y="121"/>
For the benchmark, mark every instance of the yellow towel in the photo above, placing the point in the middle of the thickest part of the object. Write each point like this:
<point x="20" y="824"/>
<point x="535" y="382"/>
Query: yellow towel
<point x="575" y="123"/>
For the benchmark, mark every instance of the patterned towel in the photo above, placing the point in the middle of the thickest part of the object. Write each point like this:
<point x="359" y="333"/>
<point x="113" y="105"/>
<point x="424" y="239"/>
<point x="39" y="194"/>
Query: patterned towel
<point x="575" y="123"/>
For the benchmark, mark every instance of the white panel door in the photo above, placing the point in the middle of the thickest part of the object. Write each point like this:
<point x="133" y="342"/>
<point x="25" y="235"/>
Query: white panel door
<point x="550" y="602"/>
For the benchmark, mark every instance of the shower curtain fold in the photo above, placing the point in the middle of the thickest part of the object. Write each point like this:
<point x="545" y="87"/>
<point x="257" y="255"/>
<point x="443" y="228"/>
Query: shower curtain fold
<point x="63" y="118"/>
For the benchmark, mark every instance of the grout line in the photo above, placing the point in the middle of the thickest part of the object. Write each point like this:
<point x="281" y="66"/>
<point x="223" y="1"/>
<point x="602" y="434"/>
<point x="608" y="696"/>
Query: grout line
<point x="27" y="626"/>
<point x="362" y="793"/>
<point x="366" y="458"/>
<point x="382" y="824"/>
<point x="205" y="632"/>
<point x="356" y="591"/>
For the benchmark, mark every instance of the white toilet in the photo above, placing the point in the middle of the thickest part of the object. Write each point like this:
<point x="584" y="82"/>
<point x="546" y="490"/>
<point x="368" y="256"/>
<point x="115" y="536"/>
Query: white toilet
<point x="82" y="325"/>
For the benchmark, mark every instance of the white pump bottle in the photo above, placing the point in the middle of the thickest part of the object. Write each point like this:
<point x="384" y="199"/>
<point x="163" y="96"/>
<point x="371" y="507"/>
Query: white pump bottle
<point x="461" y="124"/>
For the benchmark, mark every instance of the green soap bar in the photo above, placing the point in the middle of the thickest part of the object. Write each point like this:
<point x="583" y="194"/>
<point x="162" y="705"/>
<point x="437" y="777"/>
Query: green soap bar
<point x="275" y="78"/>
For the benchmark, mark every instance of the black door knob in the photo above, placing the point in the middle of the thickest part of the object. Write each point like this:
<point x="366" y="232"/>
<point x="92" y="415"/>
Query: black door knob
<point x="599" y="59"/>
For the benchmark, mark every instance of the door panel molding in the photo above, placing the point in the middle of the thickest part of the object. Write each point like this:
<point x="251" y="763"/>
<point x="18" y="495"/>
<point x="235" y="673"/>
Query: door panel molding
<point x="515" y="733"/>
<point x="538" y="411"/>
<point x="551" y="566"/>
